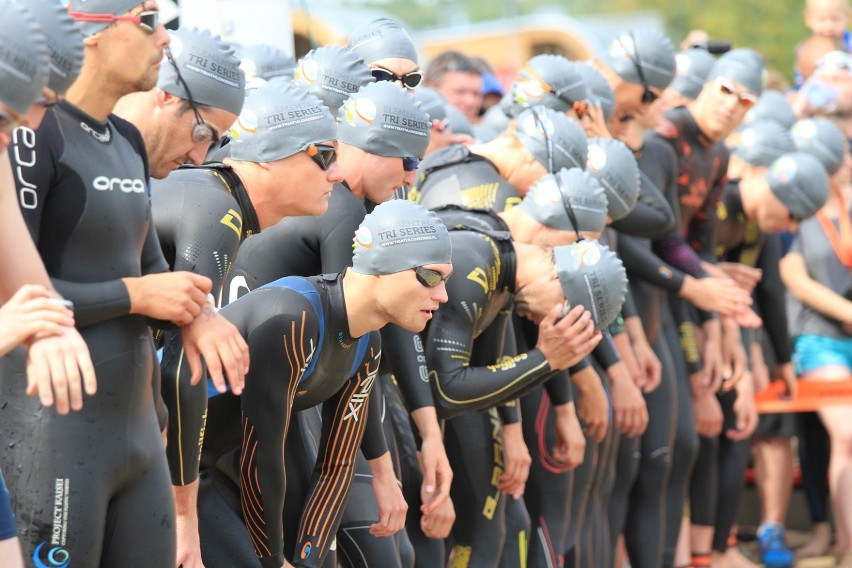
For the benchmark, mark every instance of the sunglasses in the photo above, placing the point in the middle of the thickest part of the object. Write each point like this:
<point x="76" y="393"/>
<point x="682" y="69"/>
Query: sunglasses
<point x="410" y="164"/>
<point x="648" y="96"/>
<point x="149" y="20"/>
<point x="410" y="80"/>
<point x="322" y="155"/>
<point x="201" y="131"/>
<point x="748" y="100"/>
<point x="428" y="277"/>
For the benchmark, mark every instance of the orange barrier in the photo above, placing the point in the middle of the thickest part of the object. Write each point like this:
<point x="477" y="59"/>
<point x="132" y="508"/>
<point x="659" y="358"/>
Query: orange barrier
<point x="812" y="395"/>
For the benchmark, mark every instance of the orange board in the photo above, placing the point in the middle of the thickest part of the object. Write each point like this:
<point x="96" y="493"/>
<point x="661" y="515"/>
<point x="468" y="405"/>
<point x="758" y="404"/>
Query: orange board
<point x="812" y="395"/>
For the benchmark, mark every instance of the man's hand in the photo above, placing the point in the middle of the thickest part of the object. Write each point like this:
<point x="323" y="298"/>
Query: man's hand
<point x="188" y="539"/>
<point x="715" y="295"/>
<point x="650" y="365"/>
<point x="392" y="505"/>
<point x="439" y="523"/>
<point x="169" y="296"/>
<point x="746" y="277"/>
<point x="568" y="340"/>
<point x="437" y="474"/>
<point x="711" y="355"/>
<point x="55" y="366"/>
<point x="220" y="343"/>
<point x="631" y="412"/>
<point x="30" y="312"/>
<point x="596" y="125"/>
<point x="708" y="415"/>
<point x="786" y="372"/>
<point x="735" y="360"/>
<point x="745" y="410"/>
<point x="759" y="370"/>
<point x="592" y="404"/>
<point x="570" y="447"/>
<point x="516" y="460"/>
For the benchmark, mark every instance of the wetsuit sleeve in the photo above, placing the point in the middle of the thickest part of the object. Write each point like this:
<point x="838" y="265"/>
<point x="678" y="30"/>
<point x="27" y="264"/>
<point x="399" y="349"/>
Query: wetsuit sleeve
<point x="770" y="297"/>
<point x="676" y="251"/>
<point x="404" y="351"/>
<point x="652" y="216"/>
<point x="642" y="263"/>
<point x="342" y="430"/>
<point x="280" y="344"/>
<point x="458" y="383"/>
<point x="606" y="353"/>
<point x="374" y="443"/>
<point x="686" y="333"/>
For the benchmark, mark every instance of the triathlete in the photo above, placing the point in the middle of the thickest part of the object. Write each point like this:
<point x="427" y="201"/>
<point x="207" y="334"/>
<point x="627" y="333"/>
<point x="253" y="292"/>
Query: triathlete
<point x="330" y="354"/>
<point x="387" y="49"/>
<point x="90" y="177"/>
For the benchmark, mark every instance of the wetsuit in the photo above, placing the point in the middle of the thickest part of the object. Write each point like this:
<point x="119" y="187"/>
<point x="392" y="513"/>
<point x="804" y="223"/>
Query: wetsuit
<point x="201" y="216"/>
<point x="303" y="355"/>
<point x="90" y="485"/>
<point x="315" y="245"/>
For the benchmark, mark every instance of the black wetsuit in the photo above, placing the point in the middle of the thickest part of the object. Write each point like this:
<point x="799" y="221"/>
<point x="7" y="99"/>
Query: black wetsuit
<point x="89" y="486"/>
<point x="302" y="355"/>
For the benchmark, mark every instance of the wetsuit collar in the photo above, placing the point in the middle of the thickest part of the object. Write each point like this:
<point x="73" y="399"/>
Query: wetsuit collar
<point x="337" y="320"/>
<point x="507" y="256"/>
<point x="97" y="129"/>
<point x="237" y="190"/>
<point x="695" y="130"/>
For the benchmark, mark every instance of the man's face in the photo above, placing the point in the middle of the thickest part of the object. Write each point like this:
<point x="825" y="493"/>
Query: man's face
<point x="170" y="143"/>
<point x="398" y="66"/>
<point x="403" y="300"/>
<point x="383" y="175"/>
<point x="538" y="297"/>
<point x="132" y="53"/>
<point x="463" y="91"/>
<point x="771" y="215"/>
<point x="721" y="107"/>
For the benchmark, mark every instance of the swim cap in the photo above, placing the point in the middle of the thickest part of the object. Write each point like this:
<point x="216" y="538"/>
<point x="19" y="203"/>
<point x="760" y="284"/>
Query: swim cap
<point x="762" y="142"/>
<point x="800" y="182"/>
<point x="567" y="147"/>
<point x="64" y="39"/>
<point x="550" y="81"/>
<point x="742" y="66"/>
<point x="600" y="92"/>
<point x="548" y="199"/>
<point x="264" y="62"/>
<point x="645" y="47"/>
<point x="24" y="57"/>
<point x="399" y="235"/>
<point x="332" y="73"/>
<point x="279" y="119"/>
<point x="592" y="276"/>
<point x="615" y="167"/>
<point x="384" y="120"/>
<point x="209" y="67"/>
<point x="431" y="102"/>
<point x="495" y="120"/>
<point x="457" y="120"/>
<point x="772" y="105"/>
<point x="823" y="140"/>
<point x="693" y="66"/>
<point x="114" y="7"/>
<point x="380" y="39"/>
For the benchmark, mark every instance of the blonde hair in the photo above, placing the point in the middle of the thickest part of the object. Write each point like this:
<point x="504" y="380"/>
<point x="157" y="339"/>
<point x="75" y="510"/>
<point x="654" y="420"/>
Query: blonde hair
<point x="811" y="4"/>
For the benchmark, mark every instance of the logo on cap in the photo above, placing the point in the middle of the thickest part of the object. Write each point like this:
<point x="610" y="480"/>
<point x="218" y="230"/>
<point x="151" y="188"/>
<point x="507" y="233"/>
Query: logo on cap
<point x="622" y="47"/>
<point x="246" y="123"/>
<point x="528" y="91"/>
<point x="360" y="112"/>
<point x="547" y="192"/>
<point x="747" y="138"/>
<point x="308" y="71"/>
<point x="175" y="45"/>
<point x="586" y="253"/>
<point x="805" y="129"/>
<point x="784" y="169"/>
<point x="682" y="64"/>
<point x="363" y="239"/>
<point x="596" y="160"/>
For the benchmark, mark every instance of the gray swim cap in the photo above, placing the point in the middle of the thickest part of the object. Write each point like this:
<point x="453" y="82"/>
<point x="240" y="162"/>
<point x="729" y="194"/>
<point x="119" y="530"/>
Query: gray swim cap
<point x="380" y="39"/>
<point x="762" y="142"/>
<point x="496" y="120"/>
<point x="592" y="276"/>
<point x="613" y="163"/>
<point x="693" y="66"/>
<point x="279" y="119"/>
<point x="264" y="62"/>
<point x="647" y="47"/>
<point x="567" y="147"/>
<point x="384" y="120"/>
<point x="550" y="81"/>
<point x="800" y="182"/>
<point x="431" y="102"/>
<point x="458" y="121"/>
<point x="742" y="66"/>
<point x="64" y="39"/>
<point x="208" y="66"/>
<point x="332" y="73"/>
<point x="823" y="140"/>
<point x="399" y="235"/>
<point x="772" y="105"/>
<point x="600" y="91"/>
<point x="548" y="200"/>
<point x="114" y="7"/>
<point x="24" y="57"/>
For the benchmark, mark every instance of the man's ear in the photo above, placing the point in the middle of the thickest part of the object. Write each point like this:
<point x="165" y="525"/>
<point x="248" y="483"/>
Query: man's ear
<point x="163" y="98"/>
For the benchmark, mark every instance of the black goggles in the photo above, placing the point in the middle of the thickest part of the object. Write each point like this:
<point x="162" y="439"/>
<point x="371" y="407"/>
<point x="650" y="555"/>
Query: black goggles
<point x="410" y="80"/>
<point x="410" y="164"/>
<point x="428" y="277"/>
<point x="322" y="155"/>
